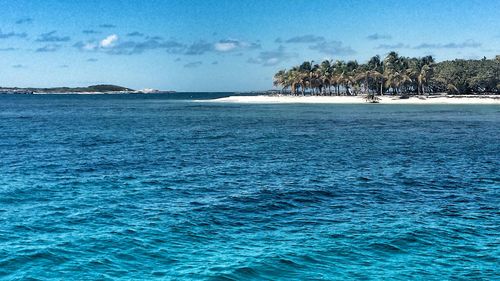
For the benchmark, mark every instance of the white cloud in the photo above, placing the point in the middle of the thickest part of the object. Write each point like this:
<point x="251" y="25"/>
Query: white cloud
<point x="112" y="44"/>
<point x="89" y="46"/>
<point x="226" y="46"/>
<point x="108" y="41"/>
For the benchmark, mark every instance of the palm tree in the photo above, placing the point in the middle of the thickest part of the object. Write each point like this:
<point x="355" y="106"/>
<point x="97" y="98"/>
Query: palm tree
<point x="344" y="79"/>
<point x="420" y="71"/>
<point x="297" y="79"/>
<point x="280" y="79"/>
<point x="336" y="75"/>
<point x="396" y="80"/>
<point x="324" y="75"/>
<point x="395" y="71"/>
<point x="400" y="75"/>
<point x="424" y="77"/>
<point x="448" y="84"/>
<point x="293" y="80"/>
<point x="426" y="72"/>
<point x="365" y="77"/>
<point x="376" y="66"/>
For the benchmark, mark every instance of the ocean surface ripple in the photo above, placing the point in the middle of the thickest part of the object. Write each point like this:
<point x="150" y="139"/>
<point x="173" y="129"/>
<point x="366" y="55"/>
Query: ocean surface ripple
<point x="168" y="188"/>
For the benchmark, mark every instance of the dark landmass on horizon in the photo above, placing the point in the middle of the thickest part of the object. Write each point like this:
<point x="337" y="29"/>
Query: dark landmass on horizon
<point x="101" y="88"/>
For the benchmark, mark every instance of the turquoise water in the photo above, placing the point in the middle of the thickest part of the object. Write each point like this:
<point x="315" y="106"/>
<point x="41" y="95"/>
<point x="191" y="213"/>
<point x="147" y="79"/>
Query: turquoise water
<point x="167" y="188"/>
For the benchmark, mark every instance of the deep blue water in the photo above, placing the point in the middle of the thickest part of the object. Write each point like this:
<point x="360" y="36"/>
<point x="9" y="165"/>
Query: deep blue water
<point x="167" y="188"/>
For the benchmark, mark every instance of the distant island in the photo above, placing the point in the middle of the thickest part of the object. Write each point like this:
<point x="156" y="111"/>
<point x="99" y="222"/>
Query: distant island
<point x="93" y="89"/>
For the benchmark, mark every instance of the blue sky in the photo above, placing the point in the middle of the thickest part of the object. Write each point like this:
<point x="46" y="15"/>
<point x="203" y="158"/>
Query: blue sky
<point x="225" y="45"/>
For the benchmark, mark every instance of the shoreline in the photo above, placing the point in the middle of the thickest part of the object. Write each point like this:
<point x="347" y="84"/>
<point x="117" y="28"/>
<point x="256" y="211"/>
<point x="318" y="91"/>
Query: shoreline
<point x="285" y="99"/>
<point x="97" y="93"/>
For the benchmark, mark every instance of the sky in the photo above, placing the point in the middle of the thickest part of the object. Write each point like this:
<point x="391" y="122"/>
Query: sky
<point x="226" y="45"/>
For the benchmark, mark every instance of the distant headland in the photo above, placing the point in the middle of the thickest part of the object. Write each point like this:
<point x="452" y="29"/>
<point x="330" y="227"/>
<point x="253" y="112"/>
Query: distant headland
<point x="93" y="89"/>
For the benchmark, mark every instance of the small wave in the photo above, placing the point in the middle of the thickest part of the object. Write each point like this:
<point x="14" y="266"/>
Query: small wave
<point x="386" y="247"/>
<point x="246" y="272"/>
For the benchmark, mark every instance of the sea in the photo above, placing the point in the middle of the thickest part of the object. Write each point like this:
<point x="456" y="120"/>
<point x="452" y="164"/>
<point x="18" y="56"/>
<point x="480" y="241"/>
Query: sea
<point x="182" y="187"/>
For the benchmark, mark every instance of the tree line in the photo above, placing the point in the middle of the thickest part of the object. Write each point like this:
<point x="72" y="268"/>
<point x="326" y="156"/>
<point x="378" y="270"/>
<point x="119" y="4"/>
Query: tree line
<point x="394" y="75"/>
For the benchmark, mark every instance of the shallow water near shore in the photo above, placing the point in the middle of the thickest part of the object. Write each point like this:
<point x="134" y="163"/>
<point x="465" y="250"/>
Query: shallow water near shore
<point x="168" y="188"/>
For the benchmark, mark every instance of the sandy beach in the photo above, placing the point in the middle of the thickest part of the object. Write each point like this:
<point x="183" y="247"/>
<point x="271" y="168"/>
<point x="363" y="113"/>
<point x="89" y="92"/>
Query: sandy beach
<point x="262" y="99"/>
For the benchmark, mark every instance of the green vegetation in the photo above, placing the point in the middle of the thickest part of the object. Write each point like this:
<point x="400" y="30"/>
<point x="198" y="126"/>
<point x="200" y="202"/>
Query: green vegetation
<point x="395" y="75"/>
<point x="106" y="88"/>
<point x="93" y="88"/>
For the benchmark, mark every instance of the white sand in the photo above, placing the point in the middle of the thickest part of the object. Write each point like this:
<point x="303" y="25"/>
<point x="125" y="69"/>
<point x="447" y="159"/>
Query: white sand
<point x="360" y="100"/>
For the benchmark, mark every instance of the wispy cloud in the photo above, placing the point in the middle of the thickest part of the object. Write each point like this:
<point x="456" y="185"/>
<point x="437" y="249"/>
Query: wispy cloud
<point x="8" y="49"/>
<point x="377" y="36"/>
<point x="86" y="46"/>
<point x="52" y="37"/>
<point x="392" y="46"/>
<point x="107" y="25"/>
<point x="141" y="43"/>
<point x="273" y="57"/>
<point x="154" y="38"/>
<point x="228" y="45"/>
<point x="134" y="47"/>
<point x="24" y="21"/>
<point x="135" y="34"/>
<point x="199" y="48"/>
<point x="461" y="45"/>
<point x="91" y="31"/>
<point x="193" y="64"/>
<point x="466" y="44"/>
<point x="12" y="34"/>
<point x="48" y="48"/>
<point x="332" y="48"/>
<point x="309" y="38"/>
<point x="320" y="44"/>
<point x="114" y="46"/>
